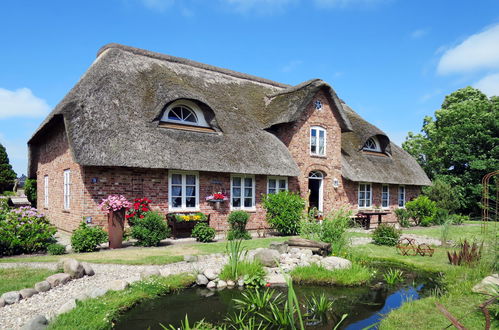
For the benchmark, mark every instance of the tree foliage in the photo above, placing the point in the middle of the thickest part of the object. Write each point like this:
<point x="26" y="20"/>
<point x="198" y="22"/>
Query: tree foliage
<point x="7" y="174"/>
<point x="460" y="144"/>
<point x="30" y="191"/>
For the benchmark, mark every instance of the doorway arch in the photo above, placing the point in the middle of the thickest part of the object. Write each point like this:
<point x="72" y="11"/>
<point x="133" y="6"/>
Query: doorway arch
<point x="316" y="190"/>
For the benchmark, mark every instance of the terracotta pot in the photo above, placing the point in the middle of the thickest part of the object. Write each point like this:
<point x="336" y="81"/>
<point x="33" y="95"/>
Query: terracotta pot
<point x="116" y="226"/>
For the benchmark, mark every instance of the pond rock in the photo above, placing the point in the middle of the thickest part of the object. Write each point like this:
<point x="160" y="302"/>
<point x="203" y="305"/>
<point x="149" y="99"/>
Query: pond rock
<point x="211" y="285"/>
<point x="335" y="263"/>
<point x="488" y="285"/>
<point x="211" y="273"/>
<point x="281" y="247"/>
<point x="221" y="284"/>
<point x="97" y="292"/>
<point x="189" y="258"/>
<point x="58" y="279"/>
<point x="276" y="280"/>
<point x="89" y="271"/>
<point x="2" y="302"/>
<point x="69" y="305"/>
<point x="231" y="284"/>
<point x="74" y="268"/>
<point x="240" y="283"/>
<point x="149" y="272"/>
<point x="118" y="285"/>
<point x="11" y="297"/>
<point x="201" y="280"/>
<point x="268" y="257"/>
<point x="26" y="293"/>
<point x="39" y="322"/>
<point x="42" y="286"/>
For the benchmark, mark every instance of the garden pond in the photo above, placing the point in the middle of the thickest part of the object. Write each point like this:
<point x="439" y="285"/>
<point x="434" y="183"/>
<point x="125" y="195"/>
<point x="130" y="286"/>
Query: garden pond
<point x="365" y="305"/>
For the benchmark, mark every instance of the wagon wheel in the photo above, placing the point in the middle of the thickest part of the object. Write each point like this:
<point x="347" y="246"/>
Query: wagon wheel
<point x="406" y="247"/>
<point x="424" y="249"/>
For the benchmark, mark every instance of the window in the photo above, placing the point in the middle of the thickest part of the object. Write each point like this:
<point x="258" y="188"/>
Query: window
<point x="276" y="184"/>
<point x="242" y="192"/>
<point x="401" y="196"/>
<point x="67" y="189"/>
<point x="318" y="105"/>
<point x="184" y="112"/>
<point x="183" y="191"/>
<point x="46" y="191"/>
<point x="372" y="145"/>
<point x="385" y="196"/>
<point x="318" y="141"/>
<point x="364" y="195"/>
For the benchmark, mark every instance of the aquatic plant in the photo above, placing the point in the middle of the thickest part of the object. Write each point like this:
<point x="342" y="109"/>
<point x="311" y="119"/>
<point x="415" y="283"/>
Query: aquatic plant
<point x="317" y="307"/>
<point x="467" y="255"/>
<point x="393" y="276"/>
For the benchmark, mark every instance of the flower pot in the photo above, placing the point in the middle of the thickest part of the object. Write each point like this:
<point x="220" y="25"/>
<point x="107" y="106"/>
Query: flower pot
<point x="116" y="226"/>
<point x="183" y="228"/>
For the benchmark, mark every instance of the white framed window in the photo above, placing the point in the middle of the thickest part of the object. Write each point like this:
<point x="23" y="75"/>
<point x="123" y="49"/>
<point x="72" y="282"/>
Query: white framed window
<point x="183" y="191"/>
<point x="46" y="191"/>
<point x="401" y="196"/>
<point x="67" y="189"/>
<point x="385" y="196"/>
<point x="242" y="189"/>
<point x="184" y="112"/>
<point x="276" y="184"/>
<point x="317" y="141"/>
<point x="372" y="144"/>
<point x="365" y="195"/>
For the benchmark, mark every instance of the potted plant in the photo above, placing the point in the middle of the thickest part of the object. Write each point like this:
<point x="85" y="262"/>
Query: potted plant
<point x="182" y="223"/>
<point x="115" y="207"/>
<point x="217" y="198"/>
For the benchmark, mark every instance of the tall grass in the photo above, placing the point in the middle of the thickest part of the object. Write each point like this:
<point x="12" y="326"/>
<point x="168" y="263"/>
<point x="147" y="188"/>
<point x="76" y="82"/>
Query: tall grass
<point x="236" y="253"/>
<point x="315" y="274"/>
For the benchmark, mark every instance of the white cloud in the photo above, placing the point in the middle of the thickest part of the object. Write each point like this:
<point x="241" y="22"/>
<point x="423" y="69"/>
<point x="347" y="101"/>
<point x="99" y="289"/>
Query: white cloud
<point x="479" y="51"/>
<point x="419" y="33"/>
<point x="489" y="84"/>
<point x="259" y="6"/>
<point x="349" y="3"/>
<point x="21" y="103"/>
<point x="158" y="5"/>
<point x="291" y="66"/>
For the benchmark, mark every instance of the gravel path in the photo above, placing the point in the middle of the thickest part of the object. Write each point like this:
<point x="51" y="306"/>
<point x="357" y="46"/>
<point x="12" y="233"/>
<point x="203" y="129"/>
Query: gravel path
<point x="48" y="303"/>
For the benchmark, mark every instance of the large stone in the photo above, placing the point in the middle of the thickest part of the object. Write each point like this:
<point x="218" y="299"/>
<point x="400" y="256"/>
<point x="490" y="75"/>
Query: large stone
<point x="335" y="263"/>
<point x="42" y="286"/>
<point x="268" y="257"/>
<point x="276" y="280"/>
<point x="211" y="273"/>
<point x="150" y="272"/>
<point x="69" y="305"/>
<point x="489" y="285"/>
<point x="81" y="297"/>
<point x="231" y="284"/>
<point x="39" y="322"/>
<point x="26" y="293"/>
<point x="58" y="279"/>
<point x="201" y="280"/>
<point x="221" y="284"/>
<point x="74" y="268"/>
<point x="240" y="282"/>
<point x="89" y="271"/>
<point x="2" y="302"/>
<point x="189" y="258"/>
<point x="281" y="247"/>
<point x="211" y="285"/>
<point x="118" y="285"/>
<point x="97" y="292"/>
<point x="11" y="297"/>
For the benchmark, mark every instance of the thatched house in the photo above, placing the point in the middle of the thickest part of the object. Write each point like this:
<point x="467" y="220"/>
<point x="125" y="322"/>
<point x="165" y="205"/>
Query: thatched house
<point x="144" y="124"/>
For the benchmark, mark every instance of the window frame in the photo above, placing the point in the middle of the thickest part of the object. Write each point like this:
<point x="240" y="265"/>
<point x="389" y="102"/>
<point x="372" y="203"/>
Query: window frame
<point x="318" y="129"/>
<point x="366" y="184"/>
<point x="253" y="197"/>
<point x="183" y="207"/>
<point x="387" y="196"/>
<point x="201" y="121"/>
<point x="67" y="189"/>
<point x="277" y="188"/>
<point x="376" y="143"/>
<point x="46" y="191"/>
<point x="398" y="197"/>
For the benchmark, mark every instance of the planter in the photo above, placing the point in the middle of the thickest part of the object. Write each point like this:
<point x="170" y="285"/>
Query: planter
<point x="215" y="203"/>
<point x="116" y="226"/>
<point x="182" y="229"/>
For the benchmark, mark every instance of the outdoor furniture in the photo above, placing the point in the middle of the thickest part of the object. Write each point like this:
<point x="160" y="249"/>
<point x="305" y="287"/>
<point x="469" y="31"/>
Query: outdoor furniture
<point x="369" y="214"/>
<point x="183" y="228"/>
<point x="407" y="247"/>
<point x="360" y="219"/>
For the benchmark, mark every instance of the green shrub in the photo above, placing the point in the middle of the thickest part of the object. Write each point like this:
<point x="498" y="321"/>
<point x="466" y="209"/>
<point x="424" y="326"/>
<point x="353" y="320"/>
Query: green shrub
<point x="56" y="249"/>
<point x="386" y="235"/>
<point x="443" y="194"/>
<point x="441" y="216"/>
<point x="420" y="208"/>
<point x="87" y="238"/>
<point x="458" y="219"/>
<point x="8" y="193"/>
<point x="238" y="221"/>
<point x="426" y="221"/>
<point x="30" y="191"/>
<point x="284" y="211"/>
<point x="403" y="217"/>
<point x="150" y="230"/>
<point x="24" y="230"/>
<point x="203" y="232"/>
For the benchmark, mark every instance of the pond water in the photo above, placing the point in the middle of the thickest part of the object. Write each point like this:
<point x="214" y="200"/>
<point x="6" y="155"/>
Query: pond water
<point x="365" y="306"/>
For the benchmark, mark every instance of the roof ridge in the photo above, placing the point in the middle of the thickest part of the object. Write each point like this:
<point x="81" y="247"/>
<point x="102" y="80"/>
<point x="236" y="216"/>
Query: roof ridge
<point x="185" y="61"/>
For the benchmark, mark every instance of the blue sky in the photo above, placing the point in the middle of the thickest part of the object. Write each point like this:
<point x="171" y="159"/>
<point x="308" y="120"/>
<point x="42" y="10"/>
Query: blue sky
<point x="393" y="61"/>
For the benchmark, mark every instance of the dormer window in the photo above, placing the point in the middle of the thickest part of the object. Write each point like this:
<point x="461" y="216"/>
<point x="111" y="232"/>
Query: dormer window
<point x="184" y="112"/>
<point x="372" y="144"/>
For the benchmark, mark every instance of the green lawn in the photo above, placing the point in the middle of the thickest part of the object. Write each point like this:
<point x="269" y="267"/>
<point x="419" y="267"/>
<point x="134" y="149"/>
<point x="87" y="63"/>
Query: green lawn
<point x="14" y="279"/>
<point x="457" y="233"/>
<point x="148" y="255"/>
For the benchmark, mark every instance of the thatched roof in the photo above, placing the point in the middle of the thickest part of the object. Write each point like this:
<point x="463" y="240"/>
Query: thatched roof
<point x="394" y="166"/>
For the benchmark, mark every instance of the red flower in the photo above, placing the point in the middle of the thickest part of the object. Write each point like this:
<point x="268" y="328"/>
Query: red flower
<point x="141" y="216"/>
<point x="267" y="285"/>
<point x="145" y="209"/>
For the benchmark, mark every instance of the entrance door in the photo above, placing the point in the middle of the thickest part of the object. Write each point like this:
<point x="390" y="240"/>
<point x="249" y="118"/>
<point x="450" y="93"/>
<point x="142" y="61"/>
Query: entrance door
<point x="315" y="180"/>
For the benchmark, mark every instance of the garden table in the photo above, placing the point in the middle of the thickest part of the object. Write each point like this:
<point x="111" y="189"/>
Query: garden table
<point x="369" y="214"/>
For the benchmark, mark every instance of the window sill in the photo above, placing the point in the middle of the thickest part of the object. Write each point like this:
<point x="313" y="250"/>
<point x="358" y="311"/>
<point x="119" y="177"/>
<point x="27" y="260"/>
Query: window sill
<point x="66" y="211"/>
<point x="318" y="156"/>
<point x="183" y="210"/>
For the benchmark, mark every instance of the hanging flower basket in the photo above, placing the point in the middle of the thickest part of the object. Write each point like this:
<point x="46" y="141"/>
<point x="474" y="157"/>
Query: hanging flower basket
<point x="217" y="199"/>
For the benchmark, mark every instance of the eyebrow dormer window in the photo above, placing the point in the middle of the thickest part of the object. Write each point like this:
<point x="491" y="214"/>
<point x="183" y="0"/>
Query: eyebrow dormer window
<point x="184" y="112"/>
<point x="372" y="145"/>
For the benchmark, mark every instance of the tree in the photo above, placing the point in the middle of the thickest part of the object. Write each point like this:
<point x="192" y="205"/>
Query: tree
<point x="7" y="174"/>
<point x="460" y="145"/>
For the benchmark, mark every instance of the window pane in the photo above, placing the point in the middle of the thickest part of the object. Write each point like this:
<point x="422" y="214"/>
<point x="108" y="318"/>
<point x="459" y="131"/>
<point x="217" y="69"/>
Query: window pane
<point x="248" y="192"/>
<point x="368" y="203"/>
<point x="177" y="201"/>
<point x="271" y="184"/>
<point x="272" y="191"/>
<point x="361" y="203"/>
<point x="368" y="187"/>
<point x="282" y="184"/>
<point x="236" y="181"/>
<point x="236" y="192"/>
<point x="176" y="191"/>
<point x="190" y="202"/>
<point x="361" y="195"/>
<point x="248" y="202"/>
<point x="236" y="202"/>
<point x="248" y="182"/>
<point x="190" y="191"/>
<point x="190" y="179"/>
<point x="313" y="132"/>
<point x="176" y="179"/>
